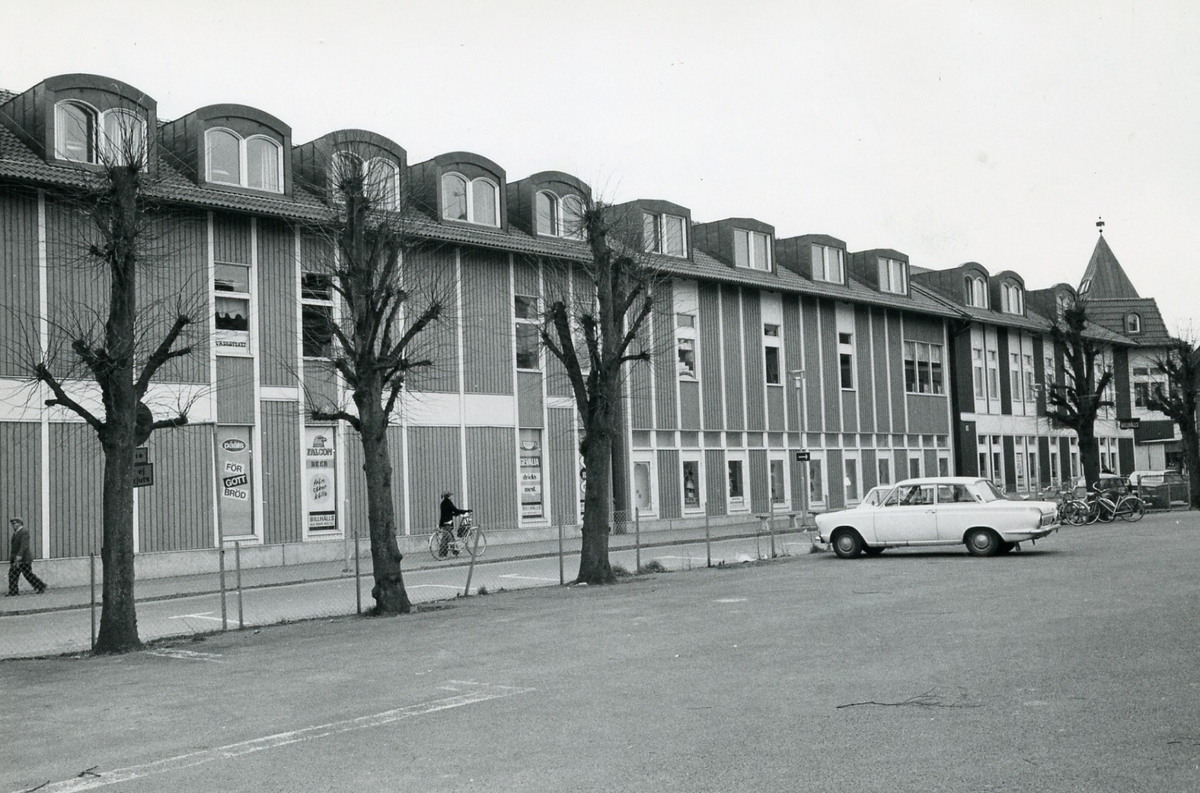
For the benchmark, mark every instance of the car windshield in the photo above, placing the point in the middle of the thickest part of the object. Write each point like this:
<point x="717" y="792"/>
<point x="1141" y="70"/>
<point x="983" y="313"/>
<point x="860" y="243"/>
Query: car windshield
<point x="989" y="492"/>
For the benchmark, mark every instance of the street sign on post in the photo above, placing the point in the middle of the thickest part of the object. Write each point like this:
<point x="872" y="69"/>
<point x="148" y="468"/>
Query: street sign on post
<point x="143" y="474"/>
<point x="141" y="455"/>
<point x="803" y="457"/>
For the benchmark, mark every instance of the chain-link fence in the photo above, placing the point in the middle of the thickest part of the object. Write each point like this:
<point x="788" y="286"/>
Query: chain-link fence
<point x="244" y="590"/>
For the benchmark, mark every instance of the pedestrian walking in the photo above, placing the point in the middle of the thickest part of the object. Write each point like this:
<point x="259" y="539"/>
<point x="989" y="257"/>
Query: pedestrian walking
<point x="20" y="559"/>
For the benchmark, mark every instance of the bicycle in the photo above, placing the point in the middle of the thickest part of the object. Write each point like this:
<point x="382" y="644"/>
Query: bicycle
<point x="462" y="537"/>
<point x="1128" y="507"/>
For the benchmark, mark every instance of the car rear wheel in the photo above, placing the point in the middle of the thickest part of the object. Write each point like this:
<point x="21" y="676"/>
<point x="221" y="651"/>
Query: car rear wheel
<point x="847" y="544"/>
<point x="982" y="542"/>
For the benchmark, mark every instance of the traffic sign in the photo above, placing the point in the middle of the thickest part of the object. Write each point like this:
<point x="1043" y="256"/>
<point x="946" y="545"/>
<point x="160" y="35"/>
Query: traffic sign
<point x="803" y="457"/>
<point x="143" y="474"/>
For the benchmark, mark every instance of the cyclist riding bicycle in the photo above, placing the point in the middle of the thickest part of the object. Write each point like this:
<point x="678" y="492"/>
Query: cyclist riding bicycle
<point x="448" y="513"/>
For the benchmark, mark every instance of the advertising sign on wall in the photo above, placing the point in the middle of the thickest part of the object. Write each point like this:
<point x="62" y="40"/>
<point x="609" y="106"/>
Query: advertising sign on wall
<point x="320" y="480"/>
<point x="233" y="481"/>
<point x="531" y="474"/>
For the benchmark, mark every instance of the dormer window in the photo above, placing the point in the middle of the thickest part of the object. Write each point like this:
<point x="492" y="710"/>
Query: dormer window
<point x="112" y="137"/>
<point x="893" y="276"/>
<point x="975" y="291"/>
<point x="380" y="179"/>
<point x="1061" y="304"/>
<point x="1012" y="300"/>
<point x="752" y="249"/>
<point x="665" y="234"/>
<point x="472" y="201"/>
<point x="255" y="162"/>
<point x="1133" y="323"/>
<point x="559" y="217"/>
<point x="828" y="264"/>
<point x="1086" y="285"/>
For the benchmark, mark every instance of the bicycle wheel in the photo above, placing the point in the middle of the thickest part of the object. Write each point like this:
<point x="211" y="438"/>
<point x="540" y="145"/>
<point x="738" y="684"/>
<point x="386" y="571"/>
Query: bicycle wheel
<point x="1077" y="513"/>
<point x="1106" y="514"/>
<point x="475" y="541"/>
<point x="437" y="541"/>
<point x="1133" y="509"/>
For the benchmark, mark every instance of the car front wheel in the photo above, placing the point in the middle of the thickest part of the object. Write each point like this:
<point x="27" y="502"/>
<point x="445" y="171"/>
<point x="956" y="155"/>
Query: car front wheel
<point x="982" y="542"/>
<point x="847" y="544"/>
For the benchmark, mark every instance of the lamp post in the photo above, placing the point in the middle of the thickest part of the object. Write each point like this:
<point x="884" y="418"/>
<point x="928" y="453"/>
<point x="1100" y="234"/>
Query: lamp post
<point x="798" y="378"/>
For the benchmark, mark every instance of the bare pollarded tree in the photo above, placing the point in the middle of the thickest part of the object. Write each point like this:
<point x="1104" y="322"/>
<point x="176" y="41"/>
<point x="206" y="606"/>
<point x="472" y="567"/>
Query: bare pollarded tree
<point x="1180" y="362"/>
<point x="596" y="335"/>
<point x="1075" y="402"/>
<point x="376" y="345"/>
<point x="119" y="224"/>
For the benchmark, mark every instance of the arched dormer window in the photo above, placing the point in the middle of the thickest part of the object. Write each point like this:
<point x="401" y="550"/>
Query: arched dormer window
<point x="255" y="162"/>
<point x="559" y="217"/>
<point x="112" y="137"/>
<point x="380" y="179"/>
<point x="975" y="291"/>
<point x="548" y="221"/>
<point x="1011" y="299"/>
<point x="474" y="201"/>
<point x="1061" y="303"/>
<point x="572" y="217"/>
<point x="1133" y="323"/>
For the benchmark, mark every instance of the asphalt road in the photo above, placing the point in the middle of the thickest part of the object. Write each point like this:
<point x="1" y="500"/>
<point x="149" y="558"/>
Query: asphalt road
<point x="1069" y="666"/>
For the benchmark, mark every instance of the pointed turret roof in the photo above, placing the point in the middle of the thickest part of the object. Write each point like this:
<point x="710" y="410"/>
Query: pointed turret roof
<point x="1104" y="278"/>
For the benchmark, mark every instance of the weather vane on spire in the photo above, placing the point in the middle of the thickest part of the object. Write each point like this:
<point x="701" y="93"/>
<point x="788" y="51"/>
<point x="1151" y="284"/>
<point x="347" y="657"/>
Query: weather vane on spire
<point x="1100" y="224"/>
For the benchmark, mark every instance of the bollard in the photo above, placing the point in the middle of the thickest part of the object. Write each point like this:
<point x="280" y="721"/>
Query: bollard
<point x="237" y="563"/>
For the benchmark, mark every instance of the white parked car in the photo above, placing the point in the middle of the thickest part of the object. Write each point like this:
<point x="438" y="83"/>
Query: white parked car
<point x="944" y="510"/>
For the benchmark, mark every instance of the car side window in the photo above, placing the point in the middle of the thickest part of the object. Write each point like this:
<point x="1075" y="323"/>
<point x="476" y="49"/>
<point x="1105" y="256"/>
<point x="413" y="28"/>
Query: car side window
<point x="916" y="495"/>
<point x="954" y="494"/>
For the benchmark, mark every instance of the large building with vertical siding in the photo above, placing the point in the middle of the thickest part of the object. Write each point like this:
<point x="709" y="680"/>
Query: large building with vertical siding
<point x="761" y="347"/>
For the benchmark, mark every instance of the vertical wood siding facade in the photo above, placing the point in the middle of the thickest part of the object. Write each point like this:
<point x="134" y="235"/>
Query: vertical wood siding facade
<point x="235" y="390"/>
<point x="562" y="466"/>
<point x="492" y="474"/>
<point x="709" y="341"/>
<point x="277" y="290"/>
<point x="20" y="479"/>
<point x="76" y="485"/>
<point x="20" y="282"/>
<point x="283" y="500"/>
<point x="487" y="330"/>
<point x="436" y="466"/>
<point x="735" y="400"/>
<point x="670" y="488"/>
<point x="176" y="512"/>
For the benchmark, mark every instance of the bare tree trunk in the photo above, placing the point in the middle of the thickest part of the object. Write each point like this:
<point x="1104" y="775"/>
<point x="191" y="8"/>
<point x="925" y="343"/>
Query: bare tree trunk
<point x="389" y="592"/>
<point x="620" y="470"/>
<point x="1089" y="455"/>
<point x="594" y="567"/>
<point x="118" y="620"/>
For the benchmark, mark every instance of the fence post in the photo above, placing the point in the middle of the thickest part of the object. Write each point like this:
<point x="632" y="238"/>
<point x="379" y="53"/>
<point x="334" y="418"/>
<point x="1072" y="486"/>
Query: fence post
<point x="357" y="576"/>
<point x="237" y="562"/>
<point x="707" y="537"/>
<point x="93" y="566"/>
<point x="221" y="561"/>
<point x="562" y="576"/>
<point x="471" y="565"/>
<point x="637" y="539"/>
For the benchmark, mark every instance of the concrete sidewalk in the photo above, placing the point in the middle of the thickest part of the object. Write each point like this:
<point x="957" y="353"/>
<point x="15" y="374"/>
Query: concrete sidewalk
<point x="151" y="589"/>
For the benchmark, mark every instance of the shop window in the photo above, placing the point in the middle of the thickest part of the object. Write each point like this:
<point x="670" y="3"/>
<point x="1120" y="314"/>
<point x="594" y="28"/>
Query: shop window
<point x="778" y="483"/>
<point x="737" y="491"/>
<point x="691" y="484"/>
<point x="531" y="486"/>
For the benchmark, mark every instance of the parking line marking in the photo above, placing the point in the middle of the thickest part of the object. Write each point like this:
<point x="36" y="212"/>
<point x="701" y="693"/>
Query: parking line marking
<point x="201" y="616"/>
<point x="526" y="577"/>
<point x="483" y="693"/>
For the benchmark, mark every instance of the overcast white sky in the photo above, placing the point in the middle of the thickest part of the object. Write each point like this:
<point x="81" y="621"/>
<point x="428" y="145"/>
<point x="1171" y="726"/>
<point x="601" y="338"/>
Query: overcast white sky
<point x="953" y="131"/>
